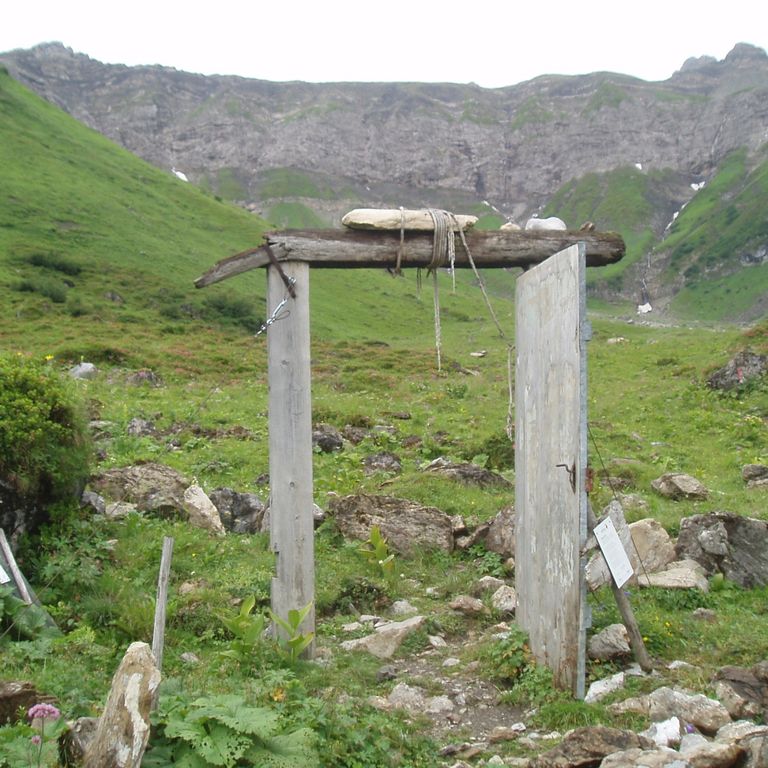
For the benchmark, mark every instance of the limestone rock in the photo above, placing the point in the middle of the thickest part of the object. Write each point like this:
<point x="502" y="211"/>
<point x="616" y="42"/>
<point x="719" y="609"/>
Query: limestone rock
<point x="16" y="696"/>
<point x="742" y="692"/>
<point x="500" y="537"/>
<point x="386" y="639"/>
<point x="742" y="368"/>
<point x="551" y="223"/>
<point x="713" y="754"/>
<point x="405" y="524"/>
<point x="327" y="438"/>
<point x="585" y="747"/>
<point x="682" y="574"/>
<point x="676" y="485"/>
<point x="504" y="599"/>
<point x="487" y="584"/>
<point x="123" y="729"/>
<point x="722" y="542"/>
<point x="83" y="371"/>
<point x="751" y="472"/>
<point x="202" y="511"/>
<point x="610" y="643"/>
<point x="152" y="487"/>
<point x="665" y="733"/>
<point x="239" y="512"/>
<point x="138" y="427"/>
<point x="469" y="474"/>
<point x="382" y="462"/>
<point x="470" y="606"/>
<point x="404" y="696"/>
<point x="599" y="689"/>
<point x="74" y="742"/>
<point x="706" y="714"/>
<point x="661" y="757"/>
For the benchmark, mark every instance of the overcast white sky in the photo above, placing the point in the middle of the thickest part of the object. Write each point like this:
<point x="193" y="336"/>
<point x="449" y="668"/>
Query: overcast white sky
<point x="489" y="43"/>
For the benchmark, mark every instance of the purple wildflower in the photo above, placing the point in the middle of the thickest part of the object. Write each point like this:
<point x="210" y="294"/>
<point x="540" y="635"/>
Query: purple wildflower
<point x="36" y="739"/>
<point x="43" y="712"/>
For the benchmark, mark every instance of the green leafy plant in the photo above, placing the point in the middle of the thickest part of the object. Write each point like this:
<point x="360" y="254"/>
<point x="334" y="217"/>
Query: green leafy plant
<point x="376" y="552"/>
<point x="33" y="745"/>
<point x="289" y="634"/>
<point x="248" y="629"/>
<point x="226" y="731"/>
<point x="507" y="658"/>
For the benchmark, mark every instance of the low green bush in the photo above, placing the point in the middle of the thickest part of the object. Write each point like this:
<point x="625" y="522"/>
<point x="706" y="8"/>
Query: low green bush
<point x="44" y="446"/>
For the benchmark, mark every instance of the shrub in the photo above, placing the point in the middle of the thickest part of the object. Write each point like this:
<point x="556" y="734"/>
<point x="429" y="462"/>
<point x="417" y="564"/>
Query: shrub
<point x="44" y="448"/>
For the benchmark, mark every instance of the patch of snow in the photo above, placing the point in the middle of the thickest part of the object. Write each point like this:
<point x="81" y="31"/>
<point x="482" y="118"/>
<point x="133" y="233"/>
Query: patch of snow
<point x="639" y="166"/>
<point x="179" y="174"/>
<point x="696" y="187"/>
<point x="644" y="309"/>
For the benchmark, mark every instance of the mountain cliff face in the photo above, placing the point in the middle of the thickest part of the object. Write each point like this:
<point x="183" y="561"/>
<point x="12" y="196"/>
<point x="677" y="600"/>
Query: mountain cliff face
<point x="343" y="144"/>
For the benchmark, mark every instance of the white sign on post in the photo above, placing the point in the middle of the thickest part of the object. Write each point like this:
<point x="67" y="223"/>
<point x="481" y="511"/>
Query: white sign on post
<point x="4" y="577"/>
<point x="613" y="552"/>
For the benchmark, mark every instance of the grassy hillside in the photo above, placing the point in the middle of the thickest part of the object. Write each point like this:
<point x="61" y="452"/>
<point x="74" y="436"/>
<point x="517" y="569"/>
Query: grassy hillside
<point x="713" y="256"/>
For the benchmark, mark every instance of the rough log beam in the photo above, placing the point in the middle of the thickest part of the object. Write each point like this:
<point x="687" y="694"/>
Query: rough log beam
<point x="350" y="248"/>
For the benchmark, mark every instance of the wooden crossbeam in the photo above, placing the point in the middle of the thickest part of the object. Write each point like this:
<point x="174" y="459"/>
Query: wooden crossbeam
<point x="334" y="248"/>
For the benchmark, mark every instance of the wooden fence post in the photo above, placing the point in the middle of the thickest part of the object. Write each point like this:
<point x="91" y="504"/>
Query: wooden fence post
<point x="290" y="445"/>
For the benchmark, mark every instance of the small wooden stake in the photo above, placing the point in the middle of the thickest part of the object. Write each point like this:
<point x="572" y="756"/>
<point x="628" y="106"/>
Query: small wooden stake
<point x="158" y="633"/>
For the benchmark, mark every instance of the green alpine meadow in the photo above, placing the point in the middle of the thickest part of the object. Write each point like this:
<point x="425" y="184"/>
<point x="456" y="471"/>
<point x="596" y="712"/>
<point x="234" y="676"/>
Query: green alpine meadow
<point x="99" y="252"/>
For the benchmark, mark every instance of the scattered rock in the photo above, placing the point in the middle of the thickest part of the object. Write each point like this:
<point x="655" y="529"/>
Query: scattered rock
<point x="327" y="438"/>
<point x="682" y="574"/>
<point x="201" y="510"/>
<point x="405" y="524"/>
<point x="16" y="697"/>
<point x="83" y="371"/>
<point x="408" y="697"/>
<point x="661" y="757"/>
<point x="141" y="428"/>
<point x="744" y="367"/>
<point x="469" y="474"/>
<point x="602" y="688"/>
<point x="239" y="512"/>
<point x="742" y="692"/>
<point x="586" y="747"/>
<point x="402" y="608"/>
<point x="117" y="510"/>
<point x="500" y="537"/>
<point x="704" y="713"/>
<point x="386" y="639"/>
<point x="722" y="542"/>
<point x="469" y="606"/>
<point x="94" y="502"/>
<point x="354" y="435"/>
<point x="152" y="487"/>
<point x="504" y="600"/>
<point x="487" y="584"/>
<point x="677" y="486"/>
<point x="665" y="733"/>
<point x="610" y="643"/>
<point x="144" y="378"/>
<point x="752" y="472"/>
<point x="382" y="462"/>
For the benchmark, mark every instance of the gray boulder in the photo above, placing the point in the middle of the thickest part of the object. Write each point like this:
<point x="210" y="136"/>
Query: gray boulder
<point x="586" y="747"/>
<point x="677" y="486"/>
<point x="469" y="474"/>
<point x="405" y="524"/>
<point x="722" y="542"/>
<point x="239" y="512"/>
<point x="743" y="368"/>
<point x="152" y="487"/>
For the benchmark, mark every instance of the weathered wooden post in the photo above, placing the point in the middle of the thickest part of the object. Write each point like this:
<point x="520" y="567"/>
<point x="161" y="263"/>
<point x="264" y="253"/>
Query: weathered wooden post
<point x="290" y="444"/>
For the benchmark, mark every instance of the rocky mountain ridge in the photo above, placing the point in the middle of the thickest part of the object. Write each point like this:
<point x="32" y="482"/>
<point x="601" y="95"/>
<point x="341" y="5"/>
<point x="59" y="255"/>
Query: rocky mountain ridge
<point x="513" y="147"/>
